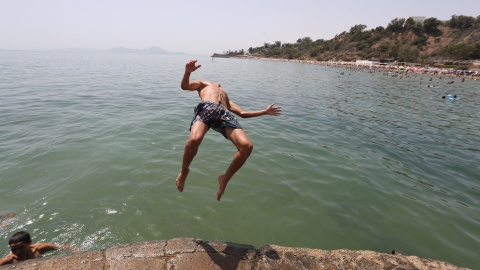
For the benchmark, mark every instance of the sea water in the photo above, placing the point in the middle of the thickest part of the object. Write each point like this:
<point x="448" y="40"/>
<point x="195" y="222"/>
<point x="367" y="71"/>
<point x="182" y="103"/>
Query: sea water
<point x="91" y="144"/>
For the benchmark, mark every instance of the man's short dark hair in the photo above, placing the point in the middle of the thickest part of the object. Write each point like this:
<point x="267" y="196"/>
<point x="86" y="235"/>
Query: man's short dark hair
<point x="20" y="237"/>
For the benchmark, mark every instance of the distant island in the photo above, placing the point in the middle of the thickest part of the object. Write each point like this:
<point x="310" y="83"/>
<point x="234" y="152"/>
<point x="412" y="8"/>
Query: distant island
<point x="152" y="50"/>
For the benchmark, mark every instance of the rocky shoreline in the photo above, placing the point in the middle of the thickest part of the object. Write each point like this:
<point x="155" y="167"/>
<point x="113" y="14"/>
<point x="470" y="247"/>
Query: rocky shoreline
<point x="191" y="253"/>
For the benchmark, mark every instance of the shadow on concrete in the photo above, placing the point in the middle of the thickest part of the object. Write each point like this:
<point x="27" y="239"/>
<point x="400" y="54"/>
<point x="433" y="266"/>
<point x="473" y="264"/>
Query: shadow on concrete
<point x="228" y="261"/>
<point x="231" y="256"/>
<point x="269" y="252"/>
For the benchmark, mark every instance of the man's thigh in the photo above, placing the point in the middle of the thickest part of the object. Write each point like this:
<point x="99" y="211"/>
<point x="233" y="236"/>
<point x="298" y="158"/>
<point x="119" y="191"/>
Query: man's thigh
<point x="198" y="130"/>
<point x="238" y="137"/>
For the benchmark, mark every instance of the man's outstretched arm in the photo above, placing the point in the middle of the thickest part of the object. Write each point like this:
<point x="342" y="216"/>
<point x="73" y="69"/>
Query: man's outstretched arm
<point x="45" y="247"/>
<point x="186" y="84"/>
<point x="270" y="110"/>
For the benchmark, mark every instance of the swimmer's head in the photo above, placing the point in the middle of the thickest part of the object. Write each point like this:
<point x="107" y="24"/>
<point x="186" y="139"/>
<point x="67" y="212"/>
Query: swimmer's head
<point x="22" y="236"/>
<point x="20" y="244"/>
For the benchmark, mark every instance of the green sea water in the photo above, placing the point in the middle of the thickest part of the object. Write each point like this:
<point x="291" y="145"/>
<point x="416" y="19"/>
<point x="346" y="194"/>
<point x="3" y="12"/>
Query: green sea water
<point x="91" y="144"/>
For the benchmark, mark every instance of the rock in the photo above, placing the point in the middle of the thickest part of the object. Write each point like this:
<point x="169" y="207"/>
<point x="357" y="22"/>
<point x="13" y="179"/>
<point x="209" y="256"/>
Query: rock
<point x="191" y="253"/>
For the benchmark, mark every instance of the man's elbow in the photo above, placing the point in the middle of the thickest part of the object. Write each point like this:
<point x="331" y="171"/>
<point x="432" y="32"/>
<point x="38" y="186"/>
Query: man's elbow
<point x="244" y="115"/>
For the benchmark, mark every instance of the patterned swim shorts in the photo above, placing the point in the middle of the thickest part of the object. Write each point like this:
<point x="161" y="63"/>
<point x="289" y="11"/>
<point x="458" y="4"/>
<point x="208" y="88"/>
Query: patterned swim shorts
<point x="215" y="116"/>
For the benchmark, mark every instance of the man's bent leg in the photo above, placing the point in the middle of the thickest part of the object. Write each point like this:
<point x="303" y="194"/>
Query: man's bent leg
<point x="244" y="145"/>
<point x="198" y="131"/>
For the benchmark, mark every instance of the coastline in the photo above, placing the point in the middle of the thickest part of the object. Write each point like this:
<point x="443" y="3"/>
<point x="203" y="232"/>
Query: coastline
<point x="385" y="68"/>
<point x="193" y="253"/>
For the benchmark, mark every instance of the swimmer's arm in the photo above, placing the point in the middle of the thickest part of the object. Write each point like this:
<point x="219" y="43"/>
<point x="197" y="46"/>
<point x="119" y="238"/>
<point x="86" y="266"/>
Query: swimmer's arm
<point x="45" y="247"/>
<point x="10" y="258"/>
<point x="270" y="110"/>
<point x="8" y="216"/>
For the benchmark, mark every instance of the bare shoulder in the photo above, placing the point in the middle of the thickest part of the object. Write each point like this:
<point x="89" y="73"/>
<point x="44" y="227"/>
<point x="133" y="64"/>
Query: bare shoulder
<point x="43" y="247"/>
<point x="202" y="82"/>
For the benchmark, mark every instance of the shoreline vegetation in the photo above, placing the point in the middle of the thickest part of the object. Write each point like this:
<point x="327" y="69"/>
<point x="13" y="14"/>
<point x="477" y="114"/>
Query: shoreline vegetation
<point x="414" y="42"/>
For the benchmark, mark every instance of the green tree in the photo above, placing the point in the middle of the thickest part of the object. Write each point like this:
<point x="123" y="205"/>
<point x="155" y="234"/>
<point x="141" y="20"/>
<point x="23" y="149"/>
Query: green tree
<point x="306" y="40"/>
<point x="420" y="41"/>
<point x="277" y="51"/>
<point x="431" y="25"/>
<point x="394" y="50"/>
<point x="315" y="52"/>
<point x="458" y="51"/>
<point x="383" y="48"/>
<point x="461" y="22"/>
<point x="304" y="43"/>
<point x="357" y="29"/>
<point x="407" y="53"/>
<point x="361" y="46"/>
<point x="396" y="25"/>
<point x="414" y="26"/>
<point x="379" y="29"/>
<point x="319" y="42"/>
<point x="475" y="50"/>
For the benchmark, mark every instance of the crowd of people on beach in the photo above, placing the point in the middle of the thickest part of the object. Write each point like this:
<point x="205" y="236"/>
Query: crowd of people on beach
<point x="473" y="74"/>
<point x="419" y="70"/>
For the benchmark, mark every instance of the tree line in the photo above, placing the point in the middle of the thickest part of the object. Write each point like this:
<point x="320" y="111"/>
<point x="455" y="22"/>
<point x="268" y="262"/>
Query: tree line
<point x="403" y="40"/>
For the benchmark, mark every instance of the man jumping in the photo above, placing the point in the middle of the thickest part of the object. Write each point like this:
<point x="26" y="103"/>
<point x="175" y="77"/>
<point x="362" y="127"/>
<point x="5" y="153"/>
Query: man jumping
<point x="215" y="111"/>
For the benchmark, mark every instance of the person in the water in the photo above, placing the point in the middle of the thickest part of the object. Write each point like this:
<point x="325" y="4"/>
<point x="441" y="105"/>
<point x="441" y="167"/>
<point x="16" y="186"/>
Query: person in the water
<point x="22" y="249"/>
<point x="6" y="217"/>
<point x="215" y="111"/>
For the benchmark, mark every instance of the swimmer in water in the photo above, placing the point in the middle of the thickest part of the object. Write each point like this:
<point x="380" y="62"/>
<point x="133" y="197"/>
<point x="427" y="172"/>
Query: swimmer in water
<point x="22" y="249"/>
<point x="8" y="217"/>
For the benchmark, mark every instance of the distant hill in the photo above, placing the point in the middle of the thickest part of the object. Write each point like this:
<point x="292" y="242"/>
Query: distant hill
<point x="152" y="50"/>
<point x="423" y="40"/>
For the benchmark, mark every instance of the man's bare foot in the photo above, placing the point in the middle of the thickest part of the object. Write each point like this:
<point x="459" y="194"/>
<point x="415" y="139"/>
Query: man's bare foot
<point x="181" y="180"/>
<point x="222" y="184"/>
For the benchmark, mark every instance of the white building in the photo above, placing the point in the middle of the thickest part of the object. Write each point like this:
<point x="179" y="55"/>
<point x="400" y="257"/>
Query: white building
<point x="418" y="18"/>
<point x="367" y="62"/>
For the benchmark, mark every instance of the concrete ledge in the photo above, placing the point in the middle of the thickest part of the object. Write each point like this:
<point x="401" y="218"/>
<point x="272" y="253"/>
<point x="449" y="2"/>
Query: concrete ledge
<point x="191" y="253"/>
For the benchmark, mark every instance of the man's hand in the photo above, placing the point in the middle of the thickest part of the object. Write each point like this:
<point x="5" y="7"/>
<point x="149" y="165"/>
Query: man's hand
<point x="190" y="66"/>
<point x="276" y="111"/>
<point x="9" y="259"/>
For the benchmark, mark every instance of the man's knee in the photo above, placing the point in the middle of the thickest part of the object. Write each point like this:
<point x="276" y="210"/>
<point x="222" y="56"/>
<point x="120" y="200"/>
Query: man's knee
<point x="194" y="142"/>
<point x="246" y="148"/>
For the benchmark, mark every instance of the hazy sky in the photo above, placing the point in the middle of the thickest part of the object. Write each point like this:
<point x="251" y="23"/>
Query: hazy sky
<point x="200" y="27"/>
